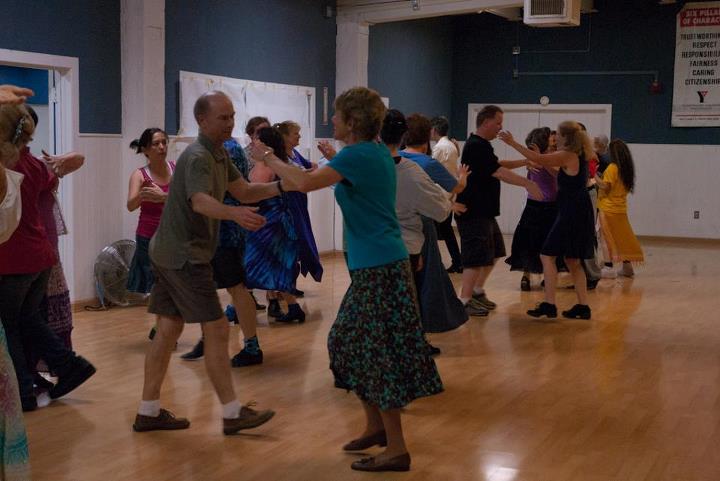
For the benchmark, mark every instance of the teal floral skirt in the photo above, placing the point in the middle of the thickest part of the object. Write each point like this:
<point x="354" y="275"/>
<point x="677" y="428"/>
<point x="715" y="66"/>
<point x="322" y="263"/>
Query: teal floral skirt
<point x="376" y="345"/>
<point x="13" y="441"/>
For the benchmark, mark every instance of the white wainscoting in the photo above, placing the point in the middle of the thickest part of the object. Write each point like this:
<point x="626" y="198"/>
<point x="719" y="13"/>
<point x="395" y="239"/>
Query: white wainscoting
<point x="672" y="182"/>
<point x="98" y="200"/>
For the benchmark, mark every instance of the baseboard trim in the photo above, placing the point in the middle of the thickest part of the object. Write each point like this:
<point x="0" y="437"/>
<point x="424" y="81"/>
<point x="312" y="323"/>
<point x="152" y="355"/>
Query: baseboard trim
<point x="681" y="240"/>
<point x="329" y="254"/>
<point x="79" y="305"/>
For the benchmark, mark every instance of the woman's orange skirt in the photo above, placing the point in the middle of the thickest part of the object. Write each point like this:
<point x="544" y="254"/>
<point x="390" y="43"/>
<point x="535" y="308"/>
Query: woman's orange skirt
<point x="620" y="238"/>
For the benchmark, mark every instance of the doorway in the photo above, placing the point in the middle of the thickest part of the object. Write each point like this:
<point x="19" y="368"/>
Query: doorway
<point x="58" y="121"/>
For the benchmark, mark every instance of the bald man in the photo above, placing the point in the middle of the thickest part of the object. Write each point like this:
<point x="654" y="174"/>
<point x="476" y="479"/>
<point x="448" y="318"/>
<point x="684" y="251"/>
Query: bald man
<point x="181" y="252"/>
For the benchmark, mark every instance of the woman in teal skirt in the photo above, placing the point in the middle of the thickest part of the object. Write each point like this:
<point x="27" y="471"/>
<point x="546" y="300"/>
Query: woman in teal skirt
<point x="376" y="345"/>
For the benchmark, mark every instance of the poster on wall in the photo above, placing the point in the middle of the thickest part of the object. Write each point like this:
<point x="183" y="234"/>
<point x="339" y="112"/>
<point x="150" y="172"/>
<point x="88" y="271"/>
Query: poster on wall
<point x="696" y="93"/>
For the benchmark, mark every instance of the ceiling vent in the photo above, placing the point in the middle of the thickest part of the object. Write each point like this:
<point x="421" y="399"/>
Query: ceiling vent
<point x="552" y="13"/>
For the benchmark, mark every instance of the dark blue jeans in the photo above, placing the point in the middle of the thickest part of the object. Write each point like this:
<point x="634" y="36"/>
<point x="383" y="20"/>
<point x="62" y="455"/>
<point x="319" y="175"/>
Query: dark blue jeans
<point x="26" y="327"/>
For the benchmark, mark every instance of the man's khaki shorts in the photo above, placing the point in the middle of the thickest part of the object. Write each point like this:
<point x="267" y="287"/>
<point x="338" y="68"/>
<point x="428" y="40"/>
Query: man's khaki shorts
<point x="188" y="293"/>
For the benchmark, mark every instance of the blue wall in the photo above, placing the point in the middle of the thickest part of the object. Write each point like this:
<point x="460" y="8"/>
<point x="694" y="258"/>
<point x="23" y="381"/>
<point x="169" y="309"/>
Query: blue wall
<point x="87" y="29"/>
<point x="441" y="65"/>
<point x="280" y="41"/>
<point x="32" y="78"/>
<point x="412" y="64"/>
<point x="628" y="35"/>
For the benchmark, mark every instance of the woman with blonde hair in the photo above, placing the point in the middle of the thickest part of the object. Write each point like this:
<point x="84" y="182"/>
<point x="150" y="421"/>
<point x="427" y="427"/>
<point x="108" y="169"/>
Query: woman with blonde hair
<point x="376" y="345"/>
<point x="572" y="235"/>
<point x="617" y="182"/>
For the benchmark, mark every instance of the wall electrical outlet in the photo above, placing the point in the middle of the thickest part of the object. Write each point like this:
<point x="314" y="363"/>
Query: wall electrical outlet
<point x="696" y="214"/>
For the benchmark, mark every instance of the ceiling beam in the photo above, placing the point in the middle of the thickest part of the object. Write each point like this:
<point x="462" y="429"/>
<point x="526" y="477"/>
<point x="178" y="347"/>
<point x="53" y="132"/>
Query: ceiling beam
<point x="401" y="11"/>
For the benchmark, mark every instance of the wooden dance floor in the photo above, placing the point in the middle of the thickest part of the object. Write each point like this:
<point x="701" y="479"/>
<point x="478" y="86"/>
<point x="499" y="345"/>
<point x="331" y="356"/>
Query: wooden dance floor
<point x="632" y="395"/>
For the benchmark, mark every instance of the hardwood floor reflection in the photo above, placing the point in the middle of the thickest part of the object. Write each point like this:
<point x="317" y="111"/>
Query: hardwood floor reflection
<point x="633" y="394"/>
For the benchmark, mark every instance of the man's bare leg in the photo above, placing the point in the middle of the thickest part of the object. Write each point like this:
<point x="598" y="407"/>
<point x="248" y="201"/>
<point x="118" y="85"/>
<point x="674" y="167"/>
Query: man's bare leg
<point x="150" y="416"/>
<point x="245" y="308"/>
<point x="158" y="355"/>
<point x="217" y="361"/>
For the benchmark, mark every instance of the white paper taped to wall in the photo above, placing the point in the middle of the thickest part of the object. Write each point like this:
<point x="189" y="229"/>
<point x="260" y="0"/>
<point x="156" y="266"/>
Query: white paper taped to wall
<point x="277" y="102"/>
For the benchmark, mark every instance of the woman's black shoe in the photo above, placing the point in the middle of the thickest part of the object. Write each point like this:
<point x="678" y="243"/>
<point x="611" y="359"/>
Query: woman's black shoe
<point x="524" y="284"/>
<point x="398" y="463"/>
<point x="360" y="444"/>
<point x="544" y="309"/>
<point x="273" y="309"/>
<point x="294" y="313"/>
<point x="244" y="358"/>
<point x="297" y="293"/>
<point x="433" y="350"/>
<point x="578" y="311"/>
<point x="196" y="353"/>
<point x="80" y="371"/>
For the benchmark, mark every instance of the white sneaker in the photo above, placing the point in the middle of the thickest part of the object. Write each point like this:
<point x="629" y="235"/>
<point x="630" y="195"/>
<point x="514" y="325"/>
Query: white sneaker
<point x="43" y="399"/>
<point x="608" y="273"/>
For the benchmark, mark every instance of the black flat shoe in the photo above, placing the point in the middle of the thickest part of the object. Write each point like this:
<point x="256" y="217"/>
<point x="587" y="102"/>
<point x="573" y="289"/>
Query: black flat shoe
<point x="578" y="311"/>
<point x="359" y="444"/>
<point x="196" y="353"/>
<point x="294" y="313"/>
<point x="80" y="372"/>
<point x="544" y="309"/>
<point x="524" y="284"/>
<point x="398" y="463"/>
<point x="273" y="309"/>
<point x="244" y="358"/>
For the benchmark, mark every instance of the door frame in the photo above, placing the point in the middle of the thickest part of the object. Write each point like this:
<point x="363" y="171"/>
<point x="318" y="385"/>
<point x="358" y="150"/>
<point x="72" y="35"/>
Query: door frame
<point x="67" y="88"/>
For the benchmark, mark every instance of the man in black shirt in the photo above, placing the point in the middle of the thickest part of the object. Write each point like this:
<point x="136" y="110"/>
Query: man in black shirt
<point x="481" y="240"/>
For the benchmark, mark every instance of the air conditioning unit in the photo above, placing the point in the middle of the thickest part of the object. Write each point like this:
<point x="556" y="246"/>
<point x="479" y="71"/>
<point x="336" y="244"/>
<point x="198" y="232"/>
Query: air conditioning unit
<point x="552" y="13"/>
